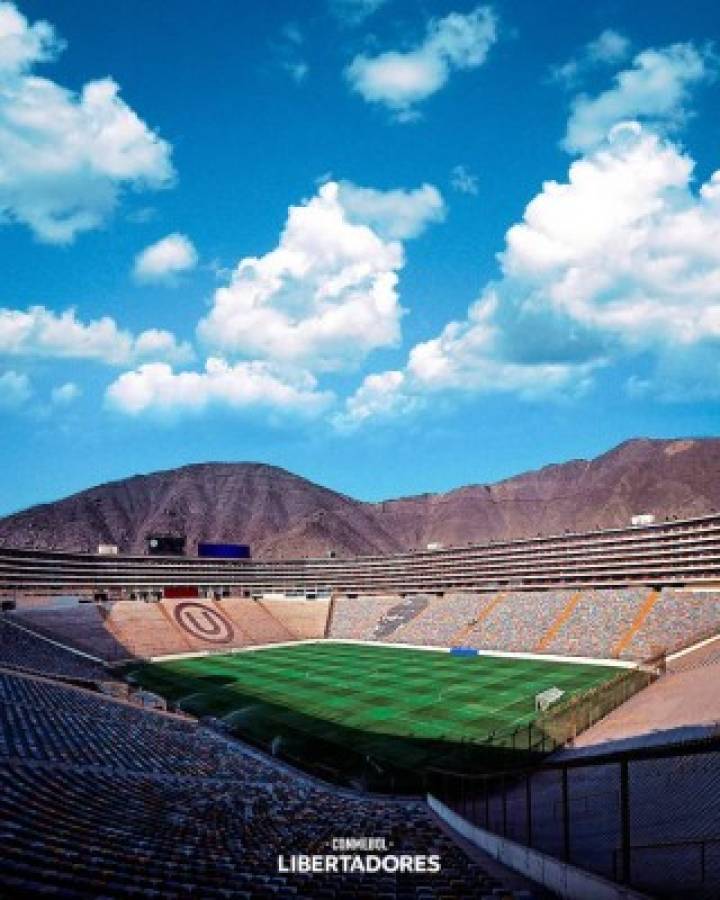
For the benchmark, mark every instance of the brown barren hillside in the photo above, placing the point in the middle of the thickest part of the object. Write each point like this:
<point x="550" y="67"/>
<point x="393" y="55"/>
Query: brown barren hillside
<point x="283" y="515"/>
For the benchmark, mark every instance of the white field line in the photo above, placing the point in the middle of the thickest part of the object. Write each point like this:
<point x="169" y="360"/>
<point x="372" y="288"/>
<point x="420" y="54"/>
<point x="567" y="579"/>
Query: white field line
<point x="54" y="643"/>
<point x="691" y="649"/>
<point x="504" y="654"/>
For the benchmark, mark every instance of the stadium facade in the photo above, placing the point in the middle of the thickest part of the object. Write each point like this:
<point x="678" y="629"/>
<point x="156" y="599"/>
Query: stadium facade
<point x="678" y="553"/>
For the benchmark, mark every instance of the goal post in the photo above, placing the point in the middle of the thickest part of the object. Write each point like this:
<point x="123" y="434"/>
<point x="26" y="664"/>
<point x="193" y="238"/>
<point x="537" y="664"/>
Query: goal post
<point x="545" y="699"/>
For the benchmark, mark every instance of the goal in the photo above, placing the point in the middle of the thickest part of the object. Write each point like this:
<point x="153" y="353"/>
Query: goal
<point x="545" y="699"/>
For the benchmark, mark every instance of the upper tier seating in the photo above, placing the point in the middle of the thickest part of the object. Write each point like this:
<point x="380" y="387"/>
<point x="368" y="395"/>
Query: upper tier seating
<point x="101" y="799"/>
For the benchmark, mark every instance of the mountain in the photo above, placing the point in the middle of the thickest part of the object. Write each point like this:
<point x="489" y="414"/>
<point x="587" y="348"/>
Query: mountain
<point x="282" y="515"/>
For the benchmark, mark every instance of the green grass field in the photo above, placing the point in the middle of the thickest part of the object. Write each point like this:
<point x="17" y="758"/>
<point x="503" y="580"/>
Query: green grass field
<point x="349" y="710"/>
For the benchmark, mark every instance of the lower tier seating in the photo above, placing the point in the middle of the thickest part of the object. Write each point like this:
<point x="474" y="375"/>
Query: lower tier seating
<point x="21" y="649"/>
<point x="626" y="623"/>
<point x="99" y="799"/>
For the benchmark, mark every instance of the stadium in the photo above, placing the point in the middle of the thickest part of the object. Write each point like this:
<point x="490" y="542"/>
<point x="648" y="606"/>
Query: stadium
<point x="525" y="711"/>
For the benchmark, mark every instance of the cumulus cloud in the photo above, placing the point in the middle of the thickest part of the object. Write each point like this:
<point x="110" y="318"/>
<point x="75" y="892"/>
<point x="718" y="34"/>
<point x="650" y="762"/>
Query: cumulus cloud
<point x="608" y="48"/>
<point x="64" y="394"/>
<point x="162" y="261"/>
<point x="156" y="388"/>
<point x="65" y="156"/>
<point x="382" y="395"/>
<point x="41" y="332"/>
<point x="464" y="181"/>
<point x="468" y="357"/>
<point x="401" y="79"/>
<point x="15" y="388"/>
<point x="22" y="44"/>
<point x="654" y="91"/>
<point x="327" y="294"/>
<point x="394" y="215"/>
<point x="620" y="261"/>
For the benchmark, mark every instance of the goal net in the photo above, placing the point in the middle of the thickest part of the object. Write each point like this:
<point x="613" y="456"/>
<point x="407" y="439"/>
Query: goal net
<point x="545" y="699"/>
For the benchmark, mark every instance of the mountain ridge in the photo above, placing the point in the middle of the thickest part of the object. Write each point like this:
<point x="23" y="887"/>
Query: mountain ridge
<point x="284" y="515"/>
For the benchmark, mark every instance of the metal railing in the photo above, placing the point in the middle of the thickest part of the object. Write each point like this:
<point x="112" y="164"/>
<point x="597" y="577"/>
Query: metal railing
<point x="648" y="817"/>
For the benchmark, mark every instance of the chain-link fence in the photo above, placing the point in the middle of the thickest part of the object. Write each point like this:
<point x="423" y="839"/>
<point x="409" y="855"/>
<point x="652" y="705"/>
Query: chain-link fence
<point x="648" y="818"/>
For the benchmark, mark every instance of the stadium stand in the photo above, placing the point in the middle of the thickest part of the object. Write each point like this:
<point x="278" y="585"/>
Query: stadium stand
<point x="303" y="619"/>
<point x="518" y="622"/>
<point x="678" y="619"/>
<point x="401" y="614"/>
<point x="81" y="626"/>
<point x="101" y="799"/>
<point x="441" y="620"/>
<point x="144" y="629"/>
<point x="632" y="623"/>
<point x="20" y="649"/>
<point x="599" y="622"/>
<point x="255" y="620"/>
<point x="669" y="554"/>
<point x="628" y="623"/>
<point x="357" y="618"/>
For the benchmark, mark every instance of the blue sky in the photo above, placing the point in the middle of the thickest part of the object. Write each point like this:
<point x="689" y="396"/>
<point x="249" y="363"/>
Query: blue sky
<point x="392" y="246"/>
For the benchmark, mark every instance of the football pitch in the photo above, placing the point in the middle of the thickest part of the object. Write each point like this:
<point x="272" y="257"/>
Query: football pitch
<point x="343" y="709"/>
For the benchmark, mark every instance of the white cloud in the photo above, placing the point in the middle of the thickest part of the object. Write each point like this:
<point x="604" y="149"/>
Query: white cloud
<point x="326" y="296"/>
<point x="466" y="358"/>
<point x="401" y="79"/>
<point x="355" y="11"/>
<point x="15" y="389"/>
<point x="165" y="259"/>
<point x="394" y="215"/>
<point x="156" y="388"/>
<point x="297" y="70"/>
<point x="626" y="247"/>
<point x="654" y="91"/>
<point x="41" y="332"/>
<point x="64" y="394"/>
<point x="380" y="396"/>
<point x="464" y="181"/>
<point x="65" y="156"/>
<point x="22" y="44"/>
<point x="621" y="261"/>
<point x="608" y="48"/>
<point x="287" y="52"/>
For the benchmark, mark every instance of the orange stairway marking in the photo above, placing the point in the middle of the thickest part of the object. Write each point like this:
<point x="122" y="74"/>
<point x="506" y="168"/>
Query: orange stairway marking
<point x="636" y="624"/>
<point x="559" y="623"/>
<point x="457" y="638"/>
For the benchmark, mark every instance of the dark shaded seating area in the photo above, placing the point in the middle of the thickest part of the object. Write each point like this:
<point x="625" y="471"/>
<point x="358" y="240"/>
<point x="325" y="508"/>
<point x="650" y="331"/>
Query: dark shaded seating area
<point x="19" y="649"/>
<point x="101" y="799"/>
